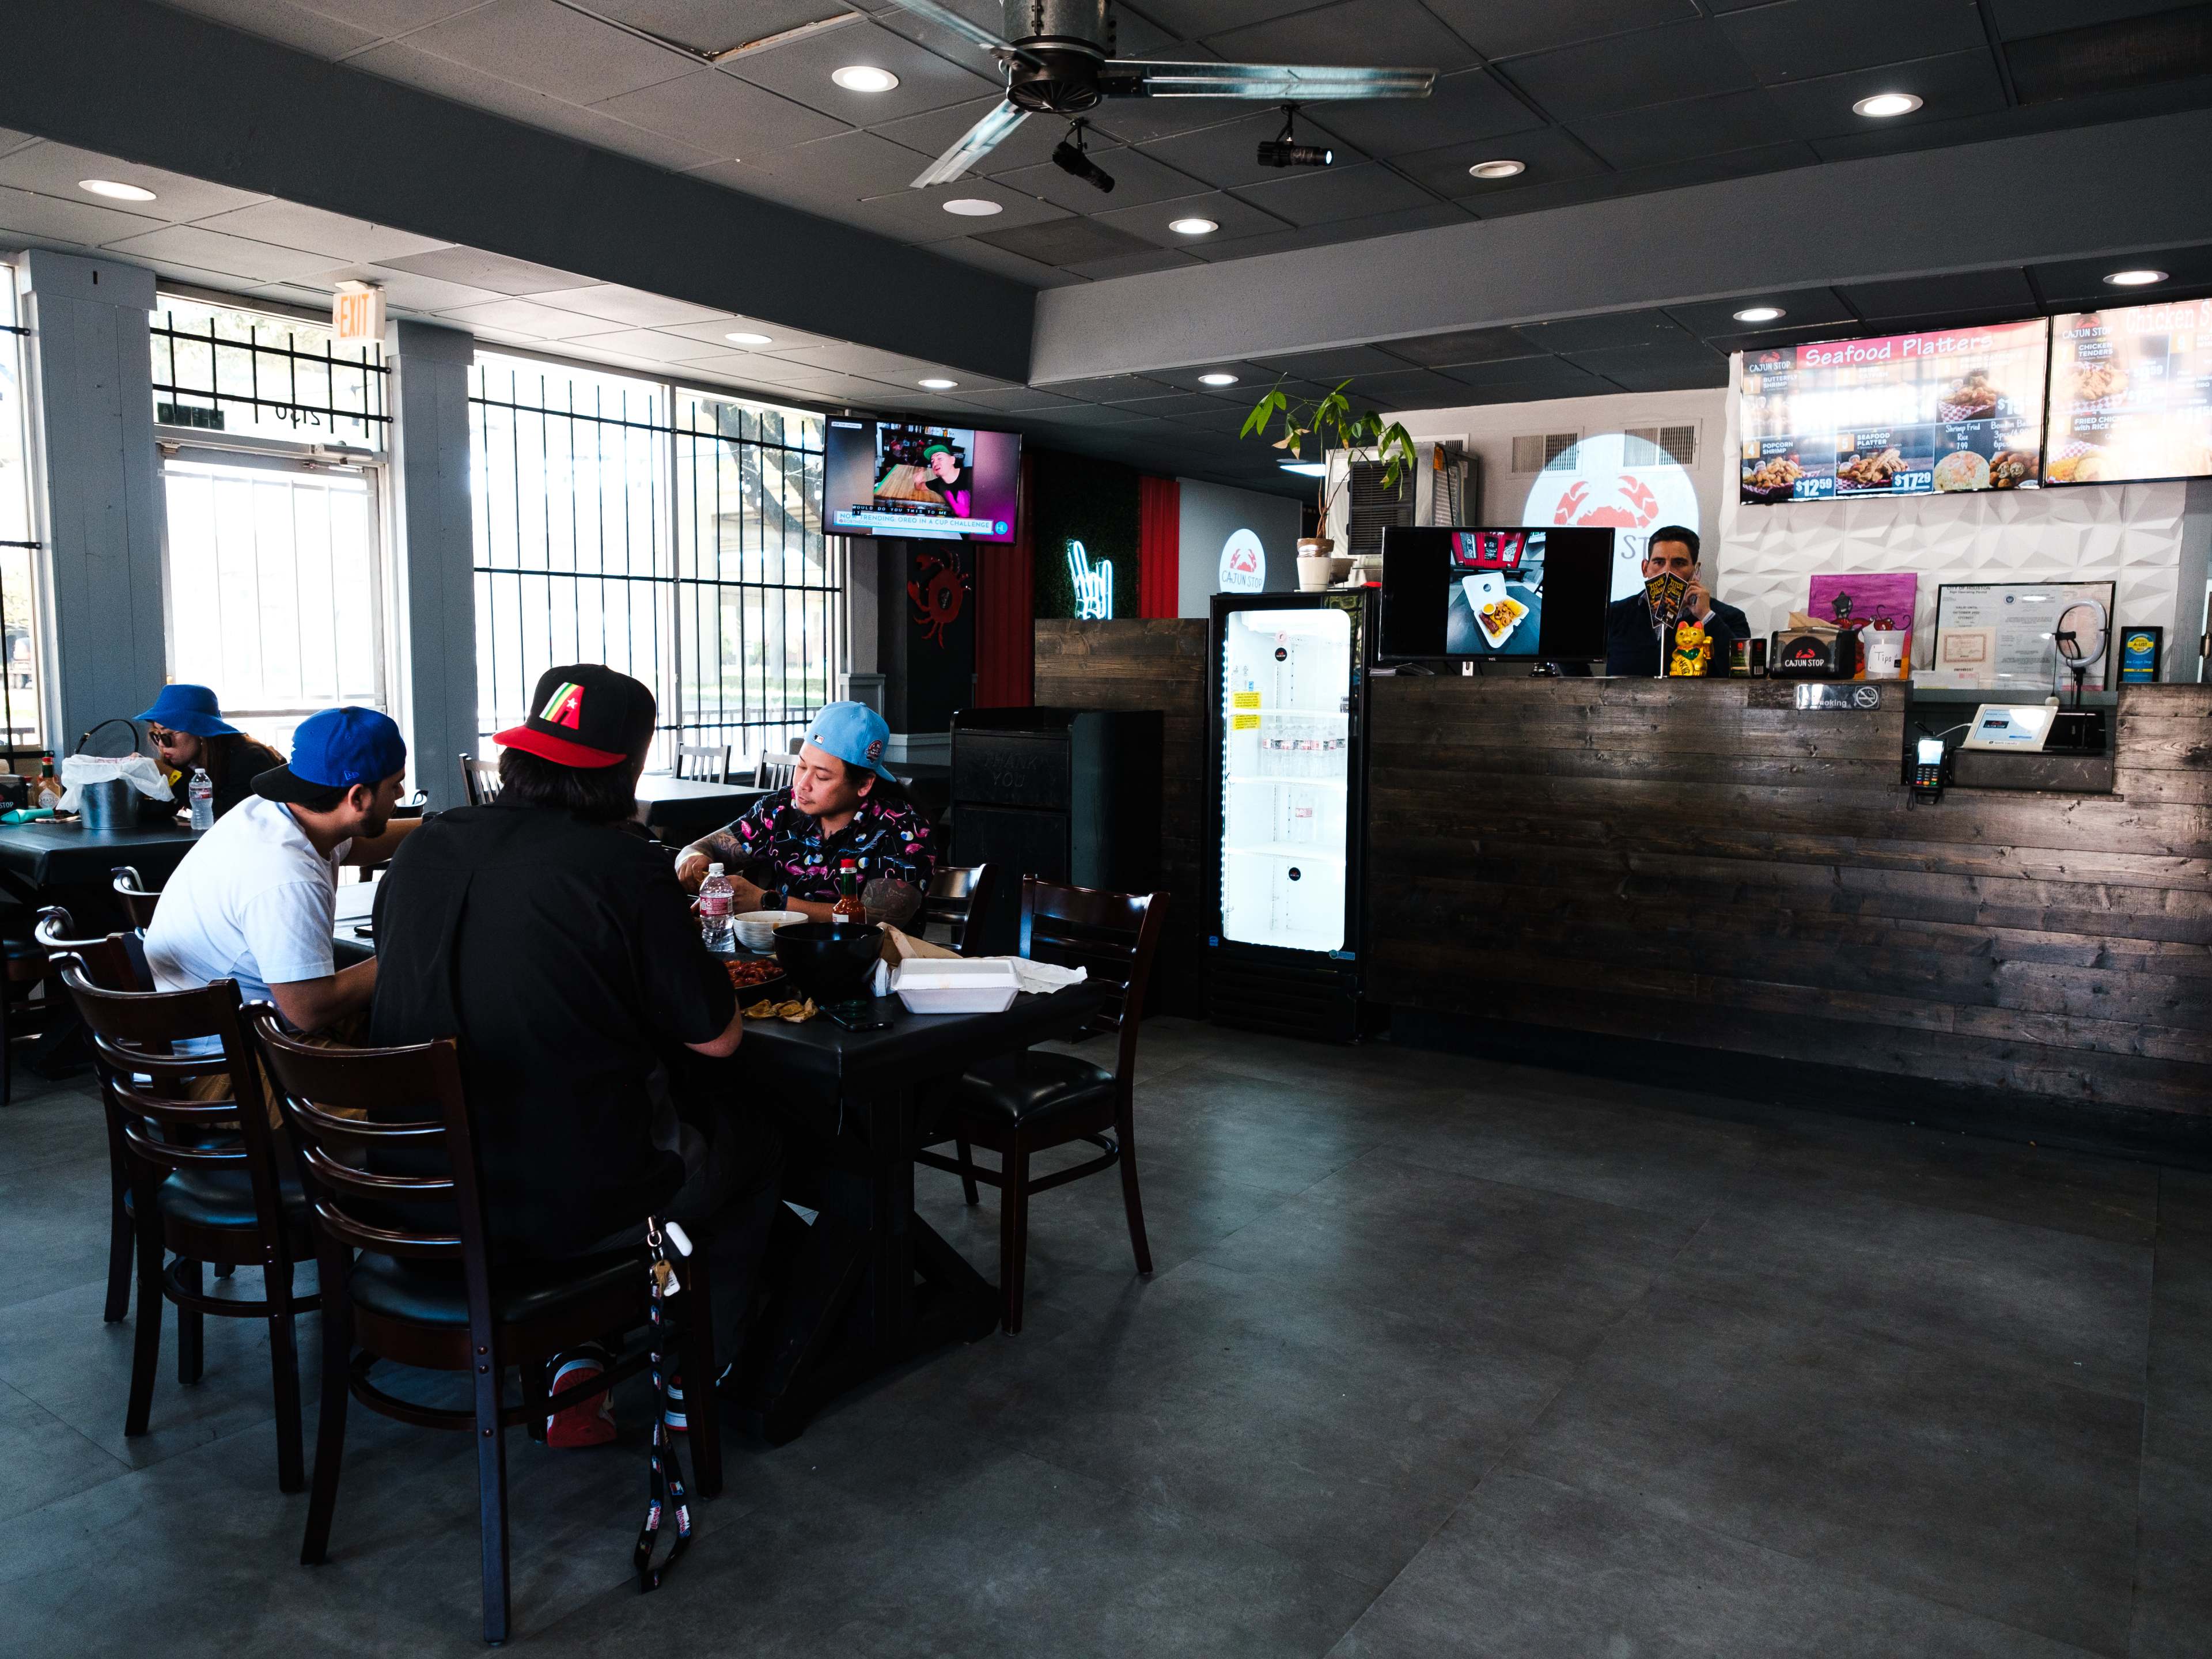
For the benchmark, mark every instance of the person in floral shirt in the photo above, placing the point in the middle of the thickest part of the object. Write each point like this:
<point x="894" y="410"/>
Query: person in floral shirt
<point x="843" y="803"/>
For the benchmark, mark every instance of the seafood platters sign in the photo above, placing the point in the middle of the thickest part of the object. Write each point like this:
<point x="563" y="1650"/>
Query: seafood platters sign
<point x="1596" y="486"/>
<point x="1909" y="415"/>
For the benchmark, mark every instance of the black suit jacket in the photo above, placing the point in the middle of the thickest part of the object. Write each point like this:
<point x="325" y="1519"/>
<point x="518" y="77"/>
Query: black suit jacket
<point x="1632" y="644"/>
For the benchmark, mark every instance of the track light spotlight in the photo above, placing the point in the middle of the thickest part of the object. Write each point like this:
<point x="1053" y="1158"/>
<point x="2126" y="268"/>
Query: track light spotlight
<point x="1069" y="158"/>
<point x="1284" y="150"/>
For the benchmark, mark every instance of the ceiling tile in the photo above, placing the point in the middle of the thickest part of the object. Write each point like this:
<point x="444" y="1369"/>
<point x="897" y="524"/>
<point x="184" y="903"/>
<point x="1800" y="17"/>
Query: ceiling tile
<point x="297" y="27"/>
<point x="1532" y="392"/>
<point x="54" y="169"/>
<point x="801" y="71"/>
<point x="481" y="269"/>
<point x="1323" y="196"/>
<point x="848" y="166"/>
<point x="720" y="115"/>
<point x="1538" y="377"/>
<point x="2018" y="20"/>
<point x="1550" y="154"/>
<point x="1388" y="33"/>
<point x="637" y="343"/>
<point x="1653" y="66"/>
<point x="26" y="213"/>
<point x="211" y="250"/>
<point x="750" y="364"/>
<point x="11" y="140"/>
<point x="2082" y="282"/>
<point x="1139" y="178"/>
<point x="1960" y="83"/>
<point x="1132" y="264"/>
<point x="1650" y="369"/>
<point x="1469" y="104"/>
<point x="1801" y="307"/>
<point x="1177" y="402"/>
<point x="1066" y="240"/>
<point x="334" y="235"/>
<point x="1414" y="388"/>
<point x="408" y="290"/>
<point x="1020" y="400"/>
<point x="1188" y="19"/>
<point x="713" y="26"/>
<point x="1769" y="339"/>
<point x="919" y="215"/>
<point x="1228" y="155"/>
<point x="982" y="255"/>
<point x="1151" y="221"/>
<point x="552" y="49"/>
<point x="390" y="17"/>
<point x="1294" y="238"/>
<point x="1998" y="294"/>
<point x="1681" y="132"/>
<point x="1466" y="345"/>
<point x="525" y="317"/>
<point x="932" y="135"/>
<point x="1505" y="31"/>
<point x="604" y="131"/>
<point x="1803" y="39"/>
<point x="1111" y="388"/>
<point x="1611" y="329"/>
<point x="1328" y="368"/>
<point x="634" y="306"/>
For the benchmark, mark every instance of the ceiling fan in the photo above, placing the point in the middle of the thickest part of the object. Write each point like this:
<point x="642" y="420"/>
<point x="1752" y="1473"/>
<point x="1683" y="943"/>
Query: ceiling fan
<point x="1060" y="61"/>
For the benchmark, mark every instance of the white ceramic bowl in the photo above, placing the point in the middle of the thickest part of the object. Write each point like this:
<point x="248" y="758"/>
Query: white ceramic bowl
<point x="756" y="928"/>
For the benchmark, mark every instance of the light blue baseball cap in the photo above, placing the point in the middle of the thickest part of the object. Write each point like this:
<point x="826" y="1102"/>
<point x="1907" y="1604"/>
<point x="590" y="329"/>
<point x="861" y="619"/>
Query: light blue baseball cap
<point x="855" y="733"/>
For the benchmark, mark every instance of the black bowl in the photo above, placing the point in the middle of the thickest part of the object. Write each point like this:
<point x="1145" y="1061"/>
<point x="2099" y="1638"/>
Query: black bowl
<point x="828" y="962"/>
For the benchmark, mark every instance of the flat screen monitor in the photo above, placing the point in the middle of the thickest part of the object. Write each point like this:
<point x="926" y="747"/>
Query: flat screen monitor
<point x="1956" y="410"/>
<point x="1534" y="593"/>
<point x="2130" y="394"/>
<point x="911" y="478"/>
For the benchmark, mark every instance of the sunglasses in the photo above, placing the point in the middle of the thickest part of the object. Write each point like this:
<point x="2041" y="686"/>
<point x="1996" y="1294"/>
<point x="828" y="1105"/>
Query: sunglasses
<point x="162" y="736"/>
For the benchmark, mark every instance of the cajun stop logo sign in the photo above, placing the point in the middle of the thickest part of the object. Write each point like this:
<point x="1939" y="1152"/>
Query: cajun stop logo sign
<point x="1595" y="486"/>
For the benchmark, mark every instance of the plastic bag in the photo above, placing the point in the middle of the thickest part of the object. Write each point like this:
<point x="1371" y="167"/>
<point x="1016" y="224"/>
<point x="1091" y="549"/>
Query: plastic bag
<point x="141" y="772"/>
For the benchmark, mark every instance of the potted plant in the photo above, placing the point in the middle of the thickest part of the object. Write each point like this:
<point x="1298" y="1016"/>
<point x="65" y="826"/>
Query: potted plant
<point x="1331" y="419"/>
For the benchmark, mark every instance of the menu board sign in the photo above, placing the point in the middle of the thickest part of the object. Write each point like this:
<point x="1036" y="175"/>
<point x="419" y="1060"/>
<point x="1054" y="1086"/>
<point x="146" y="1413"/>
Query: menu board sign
<point x="2132" y="393"/>
<point x="1910" y="414"/>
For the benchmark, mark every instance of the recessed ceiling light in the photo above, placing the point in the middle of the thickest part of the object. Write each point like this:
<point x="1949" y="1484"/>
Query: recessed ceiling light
<point x="1306" y="469"/>
<point x="1498" y="169"/>
<point x="1884" y="104"/>
<point x="937" y="385"/>
<point x="1758" y="313"/>
<point x="973" y="207"/>
<point x="2136" y="278"/>
<point x="1217" y="380"/>
<point x="1193" y="227"/>
<point x="743" y="338"/>
<point x="864" y="77"/>
<point x="119" y="193"/>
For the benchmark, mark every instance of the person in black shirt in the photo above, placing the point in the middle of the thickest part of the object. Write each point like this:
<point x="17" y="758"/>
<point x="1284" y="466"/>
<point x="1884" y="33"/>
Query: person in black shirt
<point x="1632" y="644"/>
<point x="187" y="729"/>
<point x="547" y="936"/>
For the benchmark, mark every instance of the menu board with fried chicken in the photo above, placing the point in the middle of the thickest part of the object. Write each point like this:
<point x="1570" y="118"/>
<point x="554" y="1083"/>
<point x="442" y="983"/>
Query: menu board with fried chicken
<point x="2132" y="393"/>
<point x="1910" y="414"/>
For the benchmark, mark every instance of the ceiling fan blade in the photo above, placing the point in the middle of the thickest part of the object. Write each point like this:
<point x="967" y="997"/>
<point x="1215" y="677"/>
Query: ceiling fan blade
<point x="980" y="140"/>
<point x="1276" y="83"/>
<point x="945" y="18"/>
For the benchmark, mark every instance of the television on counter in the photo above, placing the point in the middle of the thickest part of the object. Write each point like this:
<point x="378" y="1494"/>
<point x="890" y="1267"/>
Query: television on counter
<point x="1958" y="409"/>
<point x="1537" y="594"/>
<point x="2130" y="394"/>
<point x="917" y="479"/>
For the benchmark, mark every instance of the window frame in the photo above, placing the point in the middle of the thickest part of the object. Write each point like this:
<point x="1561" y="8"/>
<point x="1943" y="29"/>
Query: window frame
<point x="15" y="340"/>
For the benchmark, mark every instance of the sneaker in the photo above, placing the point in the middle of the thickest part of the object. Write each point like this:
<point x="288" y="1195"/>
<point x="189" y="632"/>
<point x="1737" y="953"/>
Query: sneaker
<point x="674" y="1416"/>
<point x="590" y="1423"/>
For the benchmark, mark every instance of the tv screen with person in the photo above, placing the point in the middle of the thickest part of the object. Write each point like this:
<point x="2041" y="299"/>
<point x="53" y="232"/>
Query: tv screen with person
<point x="909" y="478"/>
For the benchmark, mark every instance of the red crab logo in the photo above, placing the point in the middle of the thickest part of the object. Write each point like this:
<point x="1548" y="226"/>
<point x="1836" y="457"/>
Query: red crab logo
<point x="938" y="588"/>
<point x="1633" y="506"/>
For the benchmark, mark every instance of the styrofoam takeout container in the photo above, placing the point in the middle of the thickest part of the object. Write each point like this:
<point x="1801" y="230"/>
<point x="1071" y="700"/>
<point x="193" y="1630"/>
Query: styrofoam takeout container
<point x="756" y="928"/>
<point x="936" y="985"/>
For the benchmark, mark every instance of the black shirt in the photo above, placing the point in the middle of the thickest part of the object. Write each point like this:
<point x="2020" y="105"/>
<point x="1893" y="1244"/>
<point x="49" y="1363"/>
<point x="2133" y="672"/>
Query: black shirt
<point x="564" y="958"/>
<point x="232" y="763"/>
<point x="1632" y="644"/>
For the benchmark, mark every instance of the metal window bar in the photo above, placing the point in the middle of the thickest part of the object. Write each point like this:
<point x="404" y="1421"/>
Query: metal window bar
<point x="22" y="735"/>
<point x="202" y="373"/>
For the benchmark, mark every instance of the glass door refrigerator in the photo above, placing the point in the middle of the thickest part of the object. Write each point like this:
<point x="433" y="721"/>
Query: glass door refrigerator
<point x="1287" y="802"/>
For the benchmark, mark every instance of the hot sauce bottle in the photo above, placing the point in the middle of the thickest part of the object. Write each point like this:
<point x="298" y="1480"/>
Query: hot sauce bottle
<point x="847" y="909"/>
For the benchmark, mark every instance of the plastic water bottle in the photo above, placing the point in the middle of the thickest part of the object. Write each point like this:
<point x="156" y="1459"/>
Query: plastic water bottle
<point x="201" y="793"/>
<point x="715" y="898"/>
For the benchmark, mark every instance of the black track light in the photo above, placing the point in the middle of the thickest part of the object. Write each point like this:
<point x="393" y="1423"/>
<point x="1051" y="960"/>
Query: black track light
<point x="1069" y="158"/>
<point x="1286" y="152"/>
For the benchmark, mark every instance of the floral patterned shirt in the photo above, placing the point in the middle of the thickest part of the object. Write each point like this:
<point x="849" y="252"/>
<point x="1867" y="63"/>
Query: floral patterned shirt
<point x="776" y="845"/>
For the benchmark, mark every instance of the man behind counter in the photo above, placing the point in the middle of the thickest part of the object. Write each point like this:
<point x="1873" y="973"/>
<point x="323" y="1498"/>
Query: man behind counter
<point x="1632" y="644"/>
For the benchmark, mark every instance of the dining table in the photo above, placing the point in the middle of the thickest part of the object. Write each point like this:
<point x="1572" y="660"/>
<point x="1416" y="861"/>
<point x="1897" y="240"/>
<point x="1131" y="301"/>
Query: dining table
<point x="48" y="856"/>
<point x="678" y="810"/>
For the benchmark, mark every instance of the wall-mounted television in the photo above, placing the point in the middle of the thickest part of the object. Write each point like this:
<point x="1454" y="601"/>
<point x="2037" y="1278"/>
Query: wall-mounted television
<point x="1958" y="409"/>
<point x="915" y="479"/>
<point x="1537" y="593"/>
<point x="2130" y="394"/>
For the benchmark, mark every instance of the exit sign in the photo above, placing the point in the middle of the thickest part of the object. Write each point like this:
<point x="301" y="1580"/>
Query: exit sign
<point x="357" y="314"/>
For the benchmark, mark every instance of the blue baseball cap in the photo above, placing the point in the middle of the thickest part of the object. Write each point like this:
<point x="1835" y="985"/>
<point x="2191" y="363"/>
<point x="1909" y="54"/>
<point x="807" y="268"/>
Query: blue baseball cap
<point x="191" y="709"/>
<point x="855" y="733"/>
<point x="337" y="748"/>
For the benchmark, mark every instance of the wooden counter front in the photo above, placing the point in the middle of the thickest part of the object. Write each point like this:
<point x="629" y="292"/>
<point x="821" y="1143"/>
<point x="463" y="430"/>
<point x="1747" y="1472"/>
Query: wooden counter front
<point x="1705" y="865"/>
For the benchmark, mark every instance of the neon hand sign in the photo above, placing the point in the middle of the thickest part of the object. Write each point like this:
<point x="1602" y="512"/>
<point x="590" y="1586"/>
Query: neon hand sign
<point x="1093" y="585"/>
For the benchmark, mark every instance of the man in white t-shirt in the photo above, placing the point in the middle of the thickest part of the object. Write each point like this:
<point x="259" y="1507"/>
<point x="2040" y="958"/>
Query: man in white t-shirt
<point x="255" y="899"/>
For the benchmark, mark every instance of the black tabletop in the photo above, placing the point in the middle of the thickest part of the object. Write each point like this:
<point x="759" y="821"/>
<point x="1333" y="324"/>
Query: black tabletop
<point x="681" y="810"/>
<point x="48" y="852"/>
<point x="822" y="1055"/>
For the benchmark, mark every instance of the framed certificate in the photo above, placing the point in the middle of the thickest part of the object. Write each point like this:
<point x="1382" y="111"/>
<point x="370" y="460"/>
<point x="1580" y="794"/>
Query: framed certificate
<point x="2000" y="633"/>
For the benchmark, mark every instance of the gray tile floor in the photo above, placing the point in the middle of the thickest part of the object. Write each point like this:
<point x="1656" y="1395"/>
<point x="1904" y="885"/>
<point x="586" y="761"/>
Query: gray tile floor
<point x="1442" y="1358"/>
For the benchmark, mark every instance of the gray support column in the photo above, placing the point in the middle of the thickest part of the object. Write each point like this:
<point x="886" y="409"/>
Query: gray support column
<point x="434" y="541"/>
<point x="108" y="650"/>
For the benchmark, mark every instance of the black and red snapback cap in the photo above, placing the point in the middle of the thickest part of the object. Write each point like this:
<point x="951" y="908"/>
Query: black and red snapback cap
<point x="585" y="715"/>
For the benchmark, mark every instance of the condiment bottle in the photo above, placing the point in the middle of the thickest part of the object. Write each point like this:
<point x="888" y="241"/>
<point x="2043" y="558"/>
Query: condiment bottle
<point x="849" y="908"/>
<point x="48" y="792"/>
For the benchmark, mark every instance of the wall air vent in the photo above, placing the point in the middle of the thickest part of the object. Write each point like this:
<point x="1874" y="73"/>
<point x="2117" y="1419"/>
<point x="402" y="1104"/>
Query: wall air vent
<point x="2139" y="52"/>
<point x="1542" y="452"/>
<point x="1647" y="446"/>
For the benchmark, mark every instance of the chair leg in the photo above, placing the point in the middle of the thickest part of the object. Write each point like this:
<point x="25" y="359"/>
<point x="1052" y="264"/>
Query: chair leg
<point x="284" y="1375"/>
<point x="535" y="1392"/>
<point x="1125" y="1129"/>
<point x="119" y="1247"/>
<point x="967" y="1182"/>
<point x="1014" y="1228"/>
<point x="491" y="1498"/>
<point x="702" y="1404"/>
<point x="330" y="1428"/>
<point x="190" y="1326"/>
<point x="7" y="1053"/>
<point x="224" y="1269"/>
<point x="146" y="1352"/>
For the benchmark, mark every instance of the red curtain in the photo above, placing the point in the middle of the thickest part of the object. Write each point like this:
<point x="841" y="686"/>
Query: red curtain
<point x="1006" y="613"/>
<point x="1159" y="547"/>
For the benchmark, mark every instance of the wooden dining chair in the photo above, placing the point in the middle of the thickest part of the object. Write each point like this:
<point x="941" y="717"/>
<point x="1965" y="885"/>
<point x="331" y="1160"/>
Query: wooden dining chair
<point x="207" y="1183"/>
<point x="136" y="898"/>
<point x="116" y="963"/>
<point x="405" y="1190"/>
<point x="774" y="771"/>
<point x="960" y="899"/>
<point x="703" y="763"/>
<point x="479" y="780"/>
<point x="1018" y="1105"/>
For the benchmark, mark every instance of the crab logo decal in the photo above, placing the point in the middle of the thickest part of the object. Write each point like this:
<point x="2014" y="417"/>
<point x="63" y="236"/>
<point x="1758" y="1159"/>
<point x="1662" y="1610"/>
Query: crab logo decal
<point x="1634" y="505"/>
<point x="1596" y="486"/>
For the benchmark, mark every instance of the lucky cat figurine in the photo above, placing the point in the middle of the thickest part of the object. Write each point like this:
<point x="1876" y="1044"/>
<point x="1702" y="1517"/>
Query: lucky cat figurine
<point x="1693" y="652"/>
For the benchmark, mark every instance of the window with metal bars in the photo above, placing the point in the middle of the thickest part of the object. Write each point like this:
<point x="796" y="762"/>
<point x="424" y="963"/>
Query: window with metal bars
<point x="22" y="728"/>
<point x="671" y="534"/>
<point x="248" y="373"/>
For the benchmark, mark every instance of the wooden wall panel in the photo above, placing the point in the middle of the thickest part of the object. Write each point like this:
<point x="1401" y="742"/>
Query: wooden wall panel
<point x="1703" y="864"/>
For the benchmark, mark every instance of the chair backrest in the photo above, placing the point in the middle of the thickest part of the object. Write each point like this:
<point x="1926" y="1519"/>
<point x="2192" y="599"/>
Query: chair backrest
<point x="352" y="1166"/>
<point x="1111" y="936"/>
<point x="132" y="892"/>
<point x="134" y="1039"/>
<point x="961" y="898"/>
<point x="479" y="780"/>
<point x="774" y="771"/>
<point x="705" y="762"/>
<point x="412" y="806"/>
<point x="110" y="963"/>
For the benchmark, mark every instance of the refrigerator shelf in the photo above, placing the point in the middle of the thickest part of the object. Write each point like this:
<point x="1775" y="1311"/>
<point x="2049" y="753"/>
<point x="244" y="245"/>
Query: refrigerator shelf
<point x="1239" y="778"/>
<point x="1310" y="853"/>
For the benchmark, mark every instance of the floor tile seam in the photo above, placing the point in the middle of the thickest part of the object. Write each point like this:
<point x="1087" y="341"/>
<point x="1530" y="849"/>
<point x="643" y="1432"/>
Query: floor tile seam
<point x="121" y="1465"/>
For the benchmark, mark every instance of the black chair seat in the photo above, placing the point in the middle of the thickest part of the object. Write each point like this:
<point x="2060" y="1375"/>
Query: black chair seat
<point x="432" y="1293"/>
<point x="208" y="1198"/>
<point x="1032" y="1086"/>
